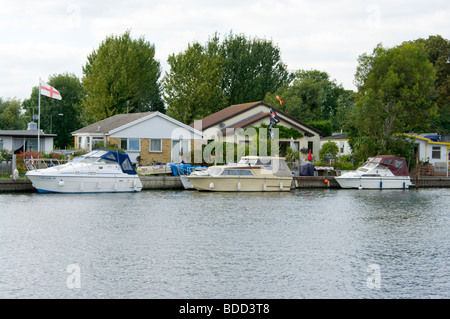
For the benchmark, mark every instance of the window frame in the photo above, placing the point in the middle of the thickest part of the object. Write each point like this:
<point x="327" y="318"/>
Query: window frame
<point x="150" y="150"/>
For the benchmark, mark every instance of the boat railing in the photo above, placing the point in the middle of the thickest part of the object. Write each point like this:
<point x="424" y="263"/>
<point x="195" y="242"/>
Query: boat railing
<point x="41" y="163"/>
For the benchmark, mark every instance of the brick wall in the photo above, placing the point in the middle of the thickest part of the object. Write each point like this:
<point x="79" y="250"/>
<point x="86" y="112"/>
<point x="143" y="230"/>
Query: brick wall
<point x="148" y="158"/>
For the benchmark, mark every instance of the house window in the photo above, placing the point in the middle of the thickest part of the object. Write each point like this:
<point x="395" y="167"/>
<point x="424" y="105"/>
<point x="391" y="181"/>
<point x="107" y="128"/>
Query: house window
<point x="436" y="154"/>
<point x="124" y="143"/>
<point x="155" y="145"/>
<point x="130" y="144"/>
<point x="310" y="146"/>
<point x="98" y="142"/>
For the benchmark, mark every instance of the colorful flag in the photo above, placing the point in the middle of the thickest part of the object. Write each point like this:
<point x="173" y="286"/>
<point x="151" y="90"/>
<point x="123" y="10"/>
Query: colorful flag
<point x="273" y="116"/>
<point x="273" y="120"/>
<point x="279" y="99"/>
<point x="49" y="91"/>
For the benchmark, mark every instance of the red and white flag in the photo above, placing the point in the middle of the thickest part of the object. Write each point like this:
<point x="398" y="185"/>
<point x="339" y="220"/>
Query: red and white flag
<point x="50" y="91"/>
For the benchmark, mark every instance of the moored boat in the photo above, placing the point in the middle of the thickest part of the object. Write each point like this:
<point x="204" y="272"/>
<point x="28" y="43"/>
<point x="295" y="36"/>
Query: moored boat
<point x="99" y="171"/>
<point x="379" y="172"/>
<point x="251" y="174"/>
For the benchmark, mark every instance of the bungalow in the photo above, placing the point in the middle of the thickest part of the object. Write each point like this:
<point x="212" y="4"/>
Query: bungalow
<point x="231" y="124"/>
<point x="26" y="140"/>
<point x="147" y="137"/>
<point x="341" y="140"/>
<point x="430" y="149"/>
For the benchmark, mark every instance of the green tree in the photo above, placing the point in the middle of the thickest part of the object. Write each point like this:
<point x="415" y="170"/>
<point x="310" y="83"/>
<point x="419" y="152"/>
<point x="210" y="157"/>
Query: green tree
<point x="192" y="88"/>
<point x="121" y="75"/>
<point x="10" y="115"/>
<point x="312" y="97"/>
<point x="395" y="95"/>
<point x="329" y="149"/>
<point x="59" y="117"/>
<point x="206" y="79"/>
<point x="438" y="50"/>
<point x="252" y="67"/>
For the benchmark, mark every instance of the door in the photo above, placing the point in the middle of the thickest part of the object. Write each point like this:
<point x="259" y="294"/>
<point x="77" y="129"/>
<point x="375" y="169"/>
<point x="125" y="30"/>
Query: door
<point x="180" y="151"/>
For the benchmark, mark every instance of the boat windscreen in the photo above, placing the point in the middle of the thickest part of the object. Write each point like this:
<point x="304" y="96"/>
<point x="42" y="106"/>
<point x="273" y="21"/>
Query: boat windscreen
<point x="281" y="169"/>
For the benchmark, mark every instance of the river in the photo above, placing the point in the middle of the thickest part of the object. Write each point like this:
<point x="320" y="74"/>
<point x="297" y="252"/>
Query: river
<point x="324" y="243"/>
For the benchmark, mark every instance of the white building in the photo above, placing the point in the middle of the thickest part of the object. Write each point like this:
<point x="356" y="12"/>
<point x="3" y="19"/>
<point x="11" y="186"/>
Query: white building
<point x="341" y="140"/>
<point x="19" y="141"/>
<point x="149" y="136"/>
<point x="430" y="149"/>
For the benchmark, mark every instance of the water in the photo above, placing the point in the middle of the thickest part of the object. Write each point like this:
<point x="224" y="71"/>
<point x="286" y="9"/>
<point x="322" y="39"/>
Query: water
<point x="188" y="244"/>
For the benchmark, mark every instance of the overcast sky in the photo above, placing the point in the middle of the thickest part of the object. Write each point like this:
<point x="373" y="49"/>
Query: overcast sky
<point x="46" y="37"/>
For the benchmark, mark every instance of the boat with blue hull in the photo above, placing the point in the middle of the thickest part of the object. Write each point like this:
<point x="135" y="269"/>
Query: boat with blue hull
<point x="99" y="171"/>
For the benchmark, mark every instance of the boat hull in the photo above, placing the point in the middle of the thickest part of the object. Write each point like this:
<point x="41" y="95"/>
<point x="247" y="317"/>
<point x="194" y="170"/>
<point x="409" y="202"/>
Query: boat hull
<point x="242" y="184"/>
<point x="185" y="180"/>
<point x="400" y="182"/>
<point x="85" y="184"/>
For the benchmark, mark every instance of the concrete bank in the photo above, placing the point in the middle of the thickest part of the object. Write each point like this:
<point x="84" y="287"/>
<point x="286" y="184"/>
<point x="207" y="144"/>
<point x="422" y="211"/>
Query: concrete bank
<point x="148" y="183"/>
<point x="174" y="183"/>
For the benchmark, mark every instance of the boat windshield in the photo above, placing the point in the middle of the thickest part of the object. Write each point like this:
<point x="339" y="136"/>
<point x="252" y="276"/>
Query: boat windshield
<point x="256" y="161"/>
<point x="237" y="172"/>
<point x="214" y="171"/>
<point x="90" y="160"/>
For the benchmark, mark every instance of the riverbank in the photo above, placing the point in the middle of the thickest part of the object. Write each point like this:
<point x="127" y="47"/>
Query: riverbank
<point x="174" y="183"/>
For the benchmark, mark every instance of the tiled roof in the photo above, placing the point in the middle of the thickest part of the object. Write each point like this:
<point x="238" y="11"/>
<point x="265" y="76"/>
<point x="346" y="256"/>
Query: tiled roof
<point x="234" y="110"/>
<point x="111" y="123"/>
<point x="226" y="113"/>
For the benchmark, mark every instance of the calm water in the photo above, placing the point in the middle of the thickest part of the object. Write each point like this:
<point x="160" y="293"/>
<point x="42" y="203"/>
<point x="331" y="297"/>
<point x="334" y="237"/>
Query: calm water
<point x="187" y="244"/>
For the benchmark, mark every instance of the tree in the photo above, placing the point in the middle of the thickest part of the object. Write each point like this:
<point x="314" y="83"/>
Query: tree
<point x="59" y="117"/>
<point x="252" y="67"/>
<point x="395" y="95"/>
<point x="10" y="115"/>
<point x="121" y="75"/>
<point x="438" y="50"/>
<point x="192" y="88"/>
<point x="329" y="149"/>
<point x="205" y="79"/>
<point x="312" y="97"/>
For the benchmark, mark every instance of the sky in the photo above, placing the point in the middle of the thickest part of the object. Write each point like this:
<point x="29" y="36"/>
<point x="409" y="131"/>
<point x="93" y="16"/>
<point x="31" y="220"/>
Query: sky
<point x="42" y="38"/>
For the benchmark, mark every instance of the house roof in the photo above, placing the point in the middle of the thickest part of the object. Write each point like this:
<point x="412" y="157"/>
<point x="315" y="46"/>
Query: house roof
<point x="111" y="123"/>
<point x="226" y="113"/>
<point x="115" y="123"/>
<point x="237" y="109"/>
<point x="25" y="133"/>
<point x="336" y="136"/>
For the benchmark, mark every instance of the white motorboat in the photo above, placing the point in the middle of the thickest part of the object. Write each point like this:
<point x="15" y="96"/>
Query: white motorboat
<point x="99" y="171"/>
<point x="379" y="172"/>
<point x="251" y="174"/>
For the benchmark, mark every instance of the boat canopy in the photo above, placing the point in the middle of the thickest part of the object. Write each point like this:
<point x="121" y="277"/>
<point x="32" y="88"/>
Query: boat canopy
<point x="397" y="165"/>
<point x="276" y="164"/>
<point x="121" y="158"/>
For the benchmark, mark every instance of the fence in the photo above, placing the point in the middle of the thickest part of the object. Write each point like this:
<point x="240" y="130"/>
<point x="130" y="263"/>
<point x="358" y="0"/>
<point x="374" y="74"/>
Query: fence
<point x="6" y="167"/>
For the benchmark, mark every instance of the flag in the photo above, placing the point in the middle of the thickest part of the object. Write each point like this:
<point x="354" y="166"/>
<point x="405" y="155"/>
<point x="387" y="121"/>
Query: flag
<point x="273" y="120"/>
<point x="273" y="117"/>
<point x="279" y="99"/>
<point x="32" y="160"/>
<point x="49" y="91"/>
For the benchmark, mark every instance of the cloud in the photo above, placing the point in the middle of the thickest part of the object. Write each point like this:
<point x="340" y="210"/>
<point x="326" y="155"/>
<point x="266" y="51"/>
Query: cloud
<point x="51" y="37"/>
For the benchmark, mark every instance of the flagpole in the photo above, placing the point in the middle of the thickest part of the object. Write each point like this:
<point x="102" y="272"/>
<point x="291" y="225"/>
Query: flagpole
<point x="39" y="117"/>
